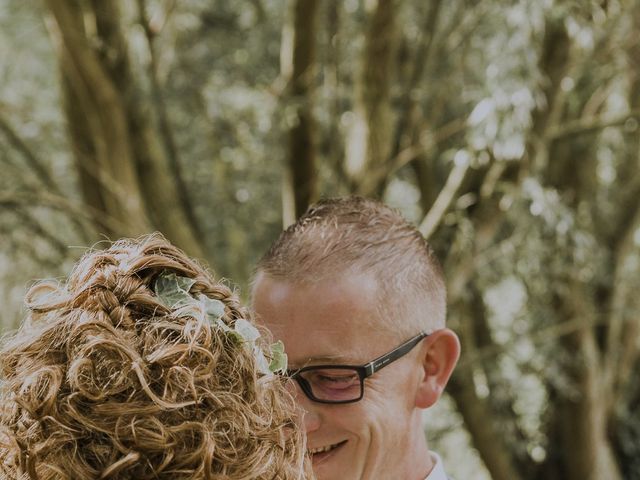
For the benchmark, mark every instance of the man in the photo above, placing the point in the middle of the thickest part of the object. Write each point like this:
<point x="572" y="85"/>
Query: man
<point x="357" y="297"/>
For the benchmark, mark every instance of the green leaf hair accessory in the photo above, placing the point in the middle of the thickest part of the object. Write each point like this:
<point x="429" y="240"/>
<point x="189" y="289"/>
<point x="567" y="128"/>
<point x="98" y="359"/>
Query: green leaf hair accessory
<point x="249" y="334"/>
<point x="213" y="308"/>
<point x="173" y="292"/>
<point x="278" y="358"/>
<point x="261" y="361"/>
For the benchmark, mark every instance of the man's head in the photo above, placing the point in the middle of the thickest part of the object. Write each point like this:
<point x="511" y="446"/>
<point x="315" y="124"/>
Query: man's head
<point x="355" y="235"/>
<point x="349" y="282"/>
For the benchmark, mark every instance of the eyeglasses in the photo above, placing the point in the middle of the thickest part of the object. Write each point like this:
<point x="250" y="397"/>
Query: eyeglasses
<point x="345" y="383"/>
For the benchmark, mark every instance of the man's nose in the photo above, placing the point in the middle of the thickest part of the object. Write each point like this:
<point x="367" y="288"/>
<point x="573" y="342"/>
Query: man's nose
<point x="310" y="420"/>
<point x="308" y="410"/>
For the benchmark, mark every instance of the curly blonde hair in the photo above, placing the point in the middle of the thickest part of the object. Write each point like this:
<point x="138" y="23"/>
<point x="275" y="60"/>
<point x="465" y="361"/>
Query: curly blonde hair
<point x="104" y="381"/>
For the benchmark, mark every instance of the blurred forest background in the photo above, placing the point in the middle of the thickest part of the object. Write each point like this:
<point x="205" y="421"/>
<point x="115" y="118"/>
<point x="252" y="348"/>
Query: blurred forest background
<point x="507" y="130"/>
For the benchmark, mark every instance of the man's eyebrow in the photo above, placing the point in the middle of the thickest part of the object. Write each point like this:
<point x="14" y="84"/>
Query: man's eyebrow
<point x="324" y="359"/>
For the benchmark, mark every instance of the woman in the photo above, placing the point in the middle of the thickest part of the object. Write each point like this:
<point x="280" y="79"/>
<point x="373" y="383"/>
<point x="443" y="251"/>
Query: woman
<point x="141" y="366"/>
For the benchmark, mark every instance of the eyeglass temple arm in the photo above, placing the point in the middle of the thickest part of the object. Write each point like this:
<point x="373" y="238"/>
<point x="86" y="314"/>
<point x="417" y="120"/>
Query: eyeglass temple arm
<point x="381" y="362"/>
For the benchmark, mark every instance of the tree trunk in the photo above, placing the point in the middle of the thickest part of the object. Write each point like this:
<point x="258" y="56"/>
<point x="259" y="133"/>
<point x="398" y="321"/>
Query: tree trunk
<point x="583" y="417"/>
<point x="123" y="166"/>
<point x="301" y="173"/>
<point x="99" y="129"/>
<point x="370" y="137"/>
<point x="480" y="418"/>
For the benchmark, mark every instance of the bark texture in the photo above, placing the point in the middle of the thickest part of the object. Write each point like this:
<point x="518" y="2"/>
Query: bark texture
<point x="370" y="138"/>
<point x="124" y="171"/>
<point x="301" y="138"/>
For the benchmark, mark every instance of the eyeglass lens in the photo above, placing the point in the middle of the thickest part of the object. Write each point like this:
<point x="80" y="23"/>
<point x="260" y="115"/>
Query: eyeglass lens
<point x="333" y="384"/>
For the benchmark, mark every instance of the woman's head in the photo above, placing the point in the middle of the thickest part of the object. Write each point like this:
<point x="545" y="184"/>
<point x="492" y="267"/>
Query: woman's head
<point x="136" y="367"/>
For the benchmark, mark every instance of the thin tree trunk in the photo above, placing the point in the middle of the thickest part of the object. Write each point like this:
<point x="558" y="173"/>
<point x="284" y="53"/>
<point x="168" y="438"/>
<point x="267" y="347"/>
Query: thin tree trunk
<point x="478" y="415"/>
<point x="301" y="168"/>
<point x="370" y="138"/>
<point x="166" y="133"/>
<point x="408" y="116"/>
<point x="583" y="417"/>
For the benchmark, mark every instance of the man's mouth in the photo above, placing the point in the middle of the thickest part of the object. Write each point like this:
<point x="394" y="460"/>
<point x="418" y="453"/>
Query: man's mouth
<point x="321" y="453"/>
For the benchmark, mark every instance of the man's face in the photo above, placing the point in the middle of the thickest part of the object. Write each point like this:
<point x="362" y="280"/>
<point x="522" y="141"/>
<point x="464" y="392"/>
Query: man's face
<point x="335" y="322"/>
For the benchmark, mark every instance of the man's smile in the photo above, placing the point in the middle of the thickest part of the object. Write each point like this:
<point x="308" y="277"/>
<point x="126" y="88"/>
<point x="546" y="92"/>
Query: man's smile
<point x="322" y="453"/>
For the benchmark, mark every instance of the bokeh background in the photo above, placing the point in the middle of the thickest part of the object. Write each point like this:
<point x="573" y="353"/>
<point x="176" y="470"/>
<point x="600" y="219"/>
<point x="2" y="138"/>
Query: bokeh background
<point x="506" y="130"/>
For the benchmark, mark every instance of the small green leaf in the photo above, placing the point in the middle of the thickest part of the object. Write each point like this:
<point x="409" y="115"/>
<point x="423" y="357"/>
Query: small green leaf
<point x="232" y="333"/>
<point x="173" y="291"/>
<point x="248" y="332"/>
<point x="278" y="358"/>
<point x="261" y="361"/>
<point x="214" y="308"/>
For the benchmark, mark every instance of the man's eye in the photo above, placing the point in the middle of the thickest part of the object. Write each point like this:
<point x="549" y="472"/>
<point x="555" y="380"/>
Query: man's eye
<point x="328" y="378"/>
<point x="333" y="379"/>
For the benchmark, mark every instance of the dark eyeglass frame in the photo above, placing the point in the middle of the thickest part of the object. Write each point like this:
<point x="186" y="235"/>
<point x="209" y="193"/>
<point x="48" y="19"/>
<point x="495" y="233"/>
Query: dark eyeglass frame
<point x="363" y="371"/>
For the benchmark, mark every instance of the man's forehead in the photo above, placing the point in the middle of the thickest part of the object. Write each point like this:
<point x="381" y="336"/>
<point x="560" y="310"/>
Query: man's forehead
<point x="339" y="287"/>
<point x="323" y="344"/>
<point x="334" y="322"/>
<point x="315" y="279"/>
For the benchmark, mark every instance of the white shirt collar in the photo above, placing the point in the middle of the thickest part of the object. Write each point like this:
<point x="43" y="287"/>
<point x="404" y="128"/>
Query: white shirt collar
<point x="437" y="473"/>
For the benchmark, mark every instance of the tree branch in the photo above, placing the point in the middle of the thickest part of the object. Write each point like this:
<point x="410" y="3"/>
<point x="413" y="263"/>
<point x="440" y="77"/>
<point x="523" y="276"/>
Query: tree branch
<point x="42" y="198"/>
<point x="43" y="175"/>
<point x="410" y="153"/>
<point x="36" y="227"/>
<point x="36" y="164"/>
<point x="446" y="196"/>
<point x="164" y="124"/>
<point x="589" y="125"/>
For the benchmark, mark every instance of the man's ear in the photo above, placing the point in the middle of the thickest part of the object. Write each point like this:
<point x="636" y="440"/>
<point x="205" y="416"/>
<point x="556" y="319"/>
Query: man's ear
<point x="439" y="354"/>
